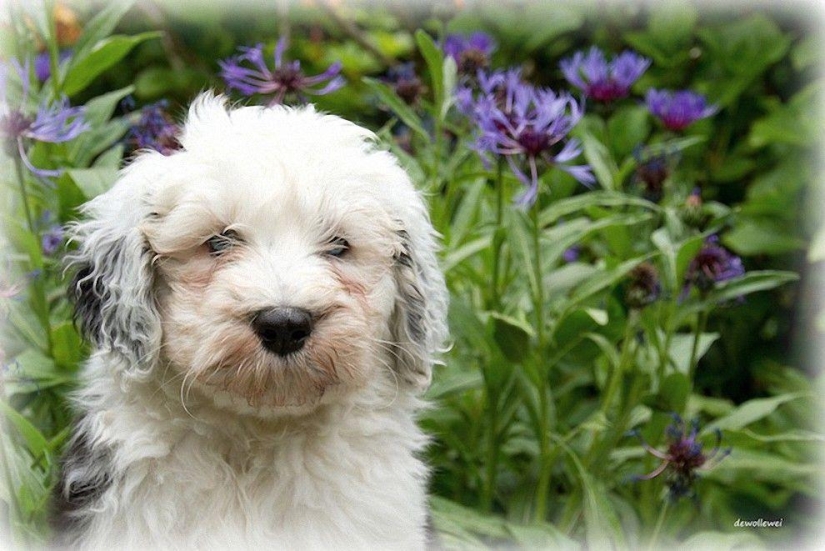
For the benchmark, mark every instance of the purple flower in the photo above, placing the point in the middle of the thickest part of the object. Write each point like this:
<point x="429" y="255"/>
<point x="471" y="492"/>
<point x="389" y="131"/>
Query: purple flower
<point x="519" y="121"/>
<point x="713" y="264"/>
<point x="643" y="286"/>
<point x="405" y="82"/>
<point x="678" y="110"/>
<point x="249" y="74"/>
<point x="154" y="129"/>
<point x="471" y="53"/>
<point x="51" y="239"/>
<point x="652" y="171"/>
<point x="692" y="211"/>
<point x="600" y="80"/>
<point x="55" y="122"/>
<point x="685" y="455"/>
<point x="571" y="254"/>
<point x="42" y="64"/>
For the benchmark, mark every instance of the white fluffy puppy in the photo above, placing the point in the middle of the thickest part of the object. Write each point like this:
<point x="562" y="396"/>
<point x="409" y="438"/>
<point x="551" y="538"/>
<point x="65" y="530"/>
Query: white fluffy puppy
<point x="265" y="306"/>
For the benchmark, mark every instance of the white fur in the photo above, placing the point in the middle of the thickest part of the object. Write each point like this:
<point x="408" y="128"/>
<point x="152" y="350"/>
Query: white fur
<point x="200" y="437"/>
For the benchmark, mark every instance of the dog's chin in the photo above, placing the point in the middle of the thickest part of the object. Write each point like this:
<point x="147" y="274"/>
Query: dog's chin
<point x="266" y="385"/>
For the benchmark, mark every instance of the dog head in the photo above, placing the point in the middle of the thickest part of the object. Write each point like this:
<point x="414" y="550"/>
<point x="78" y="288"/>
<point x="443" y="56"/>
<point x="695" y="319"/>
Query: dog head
<point x="276" y="258"/>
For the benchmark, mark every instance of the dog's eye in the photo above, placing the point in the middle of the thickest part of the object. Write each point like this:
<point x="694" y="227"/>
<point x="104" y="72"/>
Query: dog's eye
<point x="338" y="247"/>
<point x="218" y="244"/>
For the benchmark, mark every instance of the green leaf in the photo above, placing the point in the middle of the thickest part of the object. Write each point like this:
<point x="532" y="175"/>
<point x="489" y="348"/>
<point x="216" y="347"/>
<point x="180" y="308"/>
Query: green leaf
<point x="750" y="412"/>
<point x="608" y="348"/>
<point x="600" y="520"/>
<point x="603" y="280"/>
<point x="670" y="147"/>
<point x="103" y="55"/>
<point x="560" y="238"/>
<point x="512" y="336"/>
<point x="99" y="27"/>
<point x="751" y="282"/>
<point x="600" y="160"/>
<point x="98" y="110"/>
<point x="93" y="181"/>
<point x="67" y="346"/>
<point x="459" y="255"/>
<point x="403" y="111"/>
<point x="628" y="127"/>
<point x="788" y="436"/>
<point x="790" y="123"/>
<point x="434" y="58"/>
<point x="807" y="52"/>
<point x="450" y="78"/>
<point x="763" y="466"/>
<point x="681" y="346"/>
<point x="35" y="441"/>
<point x="467" y="212"/>
<point x="448" y="515"/>
<point x="541" y="536"/>
<point x="760" y="236"/>
<point x="672" y="395"/>
<point x="580" y="203"/>
<point x="103" y="132"/>
<point x="721" y="541"/>
<point x="455" y="383"/>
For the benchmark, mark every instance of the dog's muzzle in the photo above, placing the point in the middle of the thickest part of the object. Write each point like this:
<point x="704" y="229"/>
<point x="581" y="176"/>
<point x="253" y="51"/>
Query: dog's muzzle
<point x="283" y="330"/>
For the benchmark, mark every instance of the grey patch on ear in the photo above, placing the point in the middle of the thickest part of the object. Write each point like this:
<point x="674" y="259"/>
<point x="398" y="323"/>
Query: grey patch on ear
<point x="410" y="292"/>
<point x="112" y="291"/>
<point x="419" y="328"/>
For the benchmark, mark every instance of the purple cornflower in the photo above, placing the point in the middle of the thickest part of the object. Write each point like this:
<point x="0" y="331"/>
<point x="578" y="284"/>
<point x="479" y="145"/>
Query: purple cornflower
<point x="51" y="240"/>
<point x="643" y="286"/>
<point x="692" y="211"/>
<point x="652" y="171"/>
<point x="52" y="123"/>
<point x="571" y="254"/>
<point x="685" y="455"/>
<point x="600" y="80"/>
<point x="42" y="64"/>
<point x="471" y="53"/>
<point x="713" y="264"/>
<point x="249" y="74"/>
<point x="405" y="82"/>
<point x="154" y="129"/>
<point x="678" y="110"/>
<point x="517" y="120"/>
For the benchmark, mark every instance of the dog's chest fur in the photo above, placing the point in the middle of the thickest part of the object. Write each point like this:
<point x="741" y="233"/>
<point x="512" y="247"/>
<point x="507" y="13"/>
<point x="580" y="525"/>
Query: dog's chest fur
<point x="324" y="482"/>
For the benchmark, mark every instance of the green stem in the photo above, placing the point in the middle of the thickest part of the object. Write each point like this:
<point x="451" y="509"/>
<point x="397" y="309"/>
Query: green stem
<point x="498" y="241"/>
<point x="543" y="485"/>
<point x="24" y="196"/>
<point x="664" y="353"/>
<point x="545" y="465"/>
<point x="491" y="460"/>
<point x="492" y="452"/>
<point x="39" y="299"/>
<point x="701" y="324"/>
<point x="616" y="376"/>
<point x="54" y="49"/>
<point x="654" y="538"/>
<point x="538" y="291"/>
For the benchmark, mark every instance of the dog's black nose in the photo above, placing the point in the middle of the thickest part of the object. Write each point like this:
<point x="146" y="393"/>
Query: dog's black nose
<point x="283" y="330"/>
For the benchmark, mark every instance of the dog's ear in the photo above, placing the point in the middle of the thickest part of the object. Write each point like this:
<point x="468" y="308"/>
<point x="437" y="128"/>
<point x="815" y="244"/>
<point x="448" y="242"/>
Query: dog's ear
<point x="419" y="323"/>
<point x="112" y="286"/>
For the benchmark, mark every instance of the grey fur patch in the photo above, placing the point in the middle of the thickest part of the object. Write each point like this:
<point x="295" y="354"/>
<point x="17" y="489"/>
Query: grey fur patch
<point x="85" y="475"/>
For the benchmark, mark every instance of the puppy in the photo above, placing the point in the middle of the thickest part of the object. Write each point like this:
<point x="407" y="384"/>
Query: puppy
<point x="265" y="306"/>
